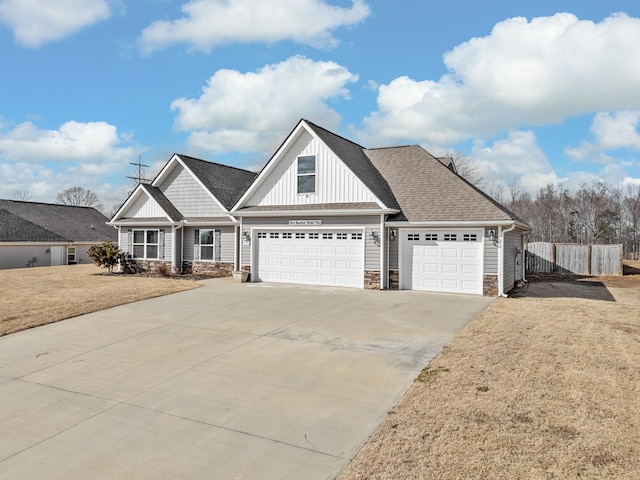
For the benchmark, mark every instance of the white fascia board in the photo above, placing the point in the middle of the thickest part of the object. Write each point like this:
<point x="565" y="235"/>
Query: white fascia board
<point x="165" y="170"/>
<point x="450" y="224"/>
<point x="139" y="190"/>
<point x="310" y="213"/>
<point x="187" y="223"/>
<point x="133" y="224"/>
<point x="266" y="170"/>
<point x="36" y="244"/>
<point x="134" y="196"/>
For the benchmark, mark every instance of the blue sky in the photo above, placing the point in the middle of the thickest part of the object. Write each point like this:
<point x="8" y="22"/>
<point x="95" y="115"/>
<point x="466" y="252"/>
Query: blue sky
<point x="546" y="91"/>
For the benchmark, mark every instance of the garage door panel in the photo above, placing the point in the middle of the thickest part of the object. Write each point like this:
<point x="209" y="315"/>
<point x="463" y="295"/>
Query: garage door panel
<point x="451" y="265"/>
<point x="451" y="268"/>
<point x="320" y="257"/>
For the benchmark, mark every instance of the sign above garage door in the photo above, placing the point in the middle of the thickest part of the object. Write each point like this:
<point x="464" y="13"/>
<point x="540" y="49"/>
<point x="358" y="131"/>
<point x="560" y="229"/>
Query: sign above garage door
<point x="442" y="260"/>
<point x="310" y="256"/>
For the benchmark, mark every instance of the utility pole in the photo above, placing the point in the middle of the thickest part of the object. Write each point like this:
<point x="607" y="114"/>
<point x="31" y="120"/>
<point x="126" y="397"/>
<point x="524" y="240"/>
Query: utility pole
<point x="140" y="175"/>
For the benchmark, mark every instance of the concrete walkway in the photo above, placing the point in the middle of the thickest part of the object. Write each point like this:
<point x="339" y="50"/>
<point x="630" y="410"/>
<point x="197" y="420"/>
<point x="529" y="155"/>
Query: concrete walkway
<point x="228" y="381"/>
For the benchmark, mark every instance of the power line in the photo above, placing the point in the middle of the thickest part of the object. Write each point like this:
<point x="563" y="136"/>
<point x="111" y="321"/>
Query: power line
<point x="140" y="176"/>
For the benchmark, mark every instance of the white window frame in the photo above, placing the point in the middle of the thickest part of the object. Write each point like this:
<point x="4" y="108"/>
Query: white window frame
<point x="145" y="244"/>
<point x="71" y="257"/>
<point x="306" y="174"/>
<point x="198" y="246"/>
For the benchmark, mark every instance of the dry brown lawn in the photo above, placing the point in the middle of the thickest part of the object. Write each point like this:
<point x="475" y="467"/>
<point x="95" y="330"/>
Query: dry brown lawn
<point x="542" y="386"/>
<point x="36" y="296"/>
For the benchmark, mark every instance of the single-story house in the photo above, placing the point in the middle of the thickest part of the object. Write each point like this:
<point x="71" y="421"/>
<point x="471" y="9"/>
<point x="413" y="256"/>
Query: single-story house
<point x="34" y="234"/>
<point x="327" y="211"/>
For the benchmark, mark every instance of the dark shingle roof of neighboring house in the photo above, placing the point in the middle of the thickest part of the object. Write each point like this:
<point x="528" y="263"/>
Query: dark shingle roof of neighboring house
<point x="226" y="183"/>
<point x="163" y="201"/>
<point x="64" y="222"/>
<point x="353" y="156"/>
<point x="427" y="190"/>
<point x="16" y="229"/>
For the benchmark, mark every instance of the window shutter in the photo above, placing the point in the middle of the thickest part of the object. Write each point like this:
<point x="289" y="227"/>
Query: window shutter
<point x="216" y="245"/>
<point x="196" y="245"/>
<point x="161" y="244"/>
<point x="129" y="241"/>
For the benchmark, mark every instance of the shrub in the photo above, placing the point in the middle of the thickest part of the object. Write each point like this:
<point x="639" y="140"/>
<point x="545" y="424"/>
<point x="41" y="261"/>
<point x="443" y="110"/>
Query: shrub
<point x="107" y="254"/>
<point x="163" y="270"/>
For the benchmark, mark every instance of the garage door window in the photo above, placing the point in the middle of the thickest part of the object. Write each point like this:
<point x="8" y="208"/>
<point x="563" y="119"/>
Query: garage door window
<point x="431" y="236"/>
<point x="413" y="237"/>
<point x="356" y="236"/>
<point x="470" y="237"/>
<point x="450" y="237"/>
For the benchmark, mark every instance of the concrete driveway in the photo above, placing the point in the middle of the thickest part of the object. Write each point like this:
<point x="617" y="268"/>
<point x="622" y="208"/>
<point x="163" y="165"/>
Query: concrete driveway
<point x="228" y="381"/>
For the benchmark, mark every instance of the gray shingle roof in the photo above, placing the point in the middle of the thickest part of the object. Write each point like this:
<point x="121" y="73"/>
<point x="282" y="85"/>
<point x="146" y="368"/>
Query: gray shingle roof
<point x="353" y="156"/>
<point x="163" y="201"/>
<point x="63" y="222"/>
<point x="226" y="183"/>
<point x="429" y="191"/>
<point x="16" y="229"/>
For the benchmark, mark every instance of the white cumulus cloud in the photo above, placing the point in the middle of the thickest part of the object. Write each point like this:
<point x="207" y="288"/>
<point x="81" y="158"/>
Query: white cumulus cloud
<point x="524" y="73"/>
<point x="92" y="142"/>
<point x="518" y="155"/>
<point x="611" y="131"/>
<point x="209" y="23"/>
<point x="253" y="111"/>
<point x="36" y="22"/>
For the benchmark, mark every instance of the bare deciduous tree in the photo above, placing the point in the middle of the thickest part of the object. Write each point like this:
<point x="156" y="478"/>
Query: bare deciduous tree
<point x="79" y="197"/>
<point x="23" y="195"/>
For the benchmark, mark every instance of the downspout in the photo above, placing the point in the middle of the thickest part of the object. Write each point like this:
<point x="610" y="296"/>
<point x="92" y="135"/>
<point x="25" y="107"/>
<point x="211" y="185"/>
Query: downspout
<point x="383" y="246"/>
<point x="239" y="241"/>
<point x="174" y="267"/>
<point x="501" y="233"/>
<point x="181" y="247"/>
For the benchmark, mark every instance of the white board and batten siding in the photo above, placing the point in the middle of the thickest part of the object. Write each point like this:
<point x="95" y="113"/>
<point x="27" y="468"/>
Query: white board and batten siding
<point x="335" y="183"/>
<point x="183" y="191"/>
<point x="144" y="207"/>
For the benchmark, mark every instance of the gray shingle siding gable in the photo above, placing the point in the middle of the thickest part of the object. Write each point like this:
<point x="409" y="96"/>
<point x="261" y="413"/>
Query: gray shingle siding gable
<point x="226" y="183"/>
<point x="163" y="201"/>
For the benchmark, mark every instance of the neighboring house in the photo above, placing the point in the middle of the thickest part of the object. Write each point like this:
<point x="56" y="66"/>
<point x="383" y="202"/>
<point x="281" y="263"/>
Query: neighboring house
<point x="326" y="211"/>
<point x="182" y="218"/>
<point x="36" y="234"/>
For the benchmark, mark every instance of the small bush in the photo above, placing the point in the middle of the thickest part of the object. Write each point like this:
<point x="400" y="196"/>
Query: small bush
<point x="163" y="270"/>
<point x="107" y="254"/>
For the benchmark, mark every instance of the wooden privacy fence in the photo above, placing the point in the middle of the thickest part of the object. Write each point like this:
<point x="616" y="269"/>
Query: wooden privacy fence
<point x="578" y="259"/>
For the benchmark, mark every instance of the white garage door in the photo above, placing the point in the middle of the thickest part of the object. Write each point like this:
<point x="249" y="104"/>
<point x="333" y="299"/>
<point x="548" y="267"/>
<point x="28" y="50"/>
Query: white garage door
<point x="314" y="257"/>
<point x="442" y="260"/>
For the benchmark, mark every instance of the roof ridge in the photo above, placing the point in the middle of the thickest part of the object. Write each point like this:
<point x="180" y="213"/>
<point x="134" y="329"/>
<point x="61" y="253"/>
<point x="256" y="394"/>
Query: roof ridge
<point x="398" y="146"/>
<point x="45" y="203"/>
<point x="334" y="134"/>
<point x="182" y="155"/>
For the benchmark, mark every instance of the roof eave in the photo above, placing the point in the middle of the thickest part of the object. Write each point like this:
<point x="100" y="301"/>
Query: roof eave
<point x="306" y="213"/>
<point x="451" y="223"/>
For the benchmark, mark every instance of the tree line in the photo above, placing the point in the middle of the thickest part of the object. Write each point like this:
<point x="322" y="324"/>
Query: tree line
<point x="596" y="213"/>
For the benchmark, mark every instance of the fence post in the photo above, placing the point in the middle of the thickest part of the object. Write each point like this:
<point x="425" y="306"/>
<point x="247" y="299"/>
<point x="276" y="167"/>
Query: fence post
<point x="589" y="260"/>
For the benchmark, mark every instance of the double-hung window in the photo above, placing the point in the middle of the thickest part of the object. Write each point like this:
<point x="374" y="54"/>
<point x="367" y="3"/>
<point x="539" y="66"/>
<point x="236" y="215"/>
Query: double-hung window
<point x="71" y="255"/>
<point x="146" y="244"/>
<point x="206" y="244"/>
<point x="307" y="174"/>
